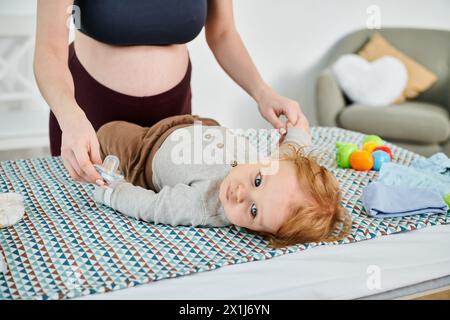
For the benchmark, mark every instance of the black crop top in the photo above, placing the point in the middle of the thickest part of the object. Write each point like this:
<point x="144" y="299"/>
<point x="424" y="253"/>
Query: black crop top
<point x="141" y="22"/>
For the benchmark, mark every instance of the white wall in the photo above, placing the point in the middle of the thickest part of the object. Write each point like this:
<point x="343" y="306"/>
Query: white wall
<point x="286" y="39"/>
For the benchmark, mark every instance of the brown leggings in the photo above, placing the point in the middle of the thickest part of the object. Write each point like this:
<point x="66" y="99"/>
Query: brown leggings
<point x="102" y="105"/>
<point x="135" y="146"/>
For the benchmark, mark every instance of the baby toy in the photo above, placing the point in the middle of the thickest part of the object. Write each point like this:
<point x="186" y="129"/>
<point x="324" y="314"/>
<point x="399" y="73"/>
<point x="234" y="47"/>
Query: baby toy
<point x="343" y="153"/>
<point x="361" y="160"/>
<point x="380" y="157"/>
<point x="372" y="156"/>
<point x="11" y="209"/>
<point x="373" y="138"/>
<point x="447" y="199"/>
<point x="109" y="169"/>
<point x="385" y="149"/>
<point x="369" y="146"/>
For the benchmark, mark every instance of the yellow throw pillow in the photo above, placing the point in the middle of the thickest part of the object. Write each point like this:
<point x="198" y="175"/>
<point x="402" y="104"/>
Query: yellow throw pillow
<point x="419" y="77"/>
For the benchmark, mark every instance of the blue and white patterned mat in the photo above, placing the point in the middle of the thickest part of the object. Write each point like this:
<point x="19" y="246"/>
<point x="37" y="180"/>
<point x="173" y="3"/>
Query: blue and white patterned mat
<point x="68" y="246"/>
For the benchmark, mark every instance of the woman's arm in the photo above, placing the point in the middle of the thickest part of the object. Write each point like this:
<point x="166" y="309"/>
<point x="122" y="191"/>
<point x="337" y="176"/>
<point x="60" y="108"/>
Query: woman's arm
<point x="79" y="145"/>
<point x="229" y="50"/>
<point x="50" y="60"/>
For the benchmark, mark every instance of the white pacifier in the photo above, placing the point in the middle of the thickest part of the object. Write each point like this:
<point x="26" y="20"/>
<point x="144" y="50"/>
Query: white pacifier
<point x="109" y="169"/>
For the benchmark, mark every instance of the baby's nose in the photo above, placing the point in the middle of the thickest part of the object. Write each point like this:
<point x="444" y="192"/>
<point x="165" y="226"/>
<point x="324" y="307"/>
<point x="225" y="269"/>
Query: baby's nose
<point x="241" y="193"/>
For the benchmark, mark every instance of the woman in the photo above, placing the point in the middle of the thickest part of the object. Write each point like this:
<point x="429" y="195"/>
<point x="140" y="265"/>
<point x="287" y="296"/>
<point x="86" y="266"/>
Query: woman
<point x="129" y="61"/>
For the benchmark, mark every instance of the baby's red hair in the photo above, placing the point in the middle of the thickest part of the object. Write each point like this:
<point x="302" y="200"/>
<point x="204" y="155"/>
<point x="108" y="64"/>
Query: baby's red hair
<point x="322" y="218"/>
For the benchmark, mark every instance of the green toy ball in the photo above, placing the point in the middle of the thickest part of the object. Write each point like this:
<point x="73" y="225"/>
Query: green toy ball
<point x="343" y="153"/>
<point x="373" y="138"/>
<point x="447" y="199"/>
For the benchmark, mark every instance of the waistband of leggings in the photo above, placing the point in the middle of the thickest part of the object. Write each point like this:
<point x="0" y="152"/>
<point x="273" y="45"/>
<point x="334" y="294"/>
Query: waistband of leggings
<point x="88" y="81"/>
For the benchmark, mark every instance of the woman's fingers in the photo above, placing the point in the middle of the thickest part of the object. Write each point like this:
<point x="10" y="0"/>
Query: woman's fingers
<point x="95" y="157"/>
<point x="95" y="152"/>
<point x="69" y="164"/>
<point x="272" y="117"/>
<point x="302" y="122"/>
<point x="80" y="149"/>
<point x="292" y="111"/>
<point x="74" y="162"/>
<point x="88" y="171"/>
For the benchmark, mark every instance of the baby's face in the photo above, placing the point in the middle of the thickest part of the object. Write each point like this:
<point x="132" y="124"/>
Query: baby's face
<point x="260" y="202"/>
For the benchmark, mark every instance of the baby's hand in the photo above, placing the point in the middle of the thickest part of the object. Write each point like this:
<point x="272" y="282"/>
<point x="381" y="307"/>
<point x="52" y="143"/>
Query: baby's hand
<point x="100" y="189"/>
<point x="101" y="183"/>
<point x="99" y="193"/>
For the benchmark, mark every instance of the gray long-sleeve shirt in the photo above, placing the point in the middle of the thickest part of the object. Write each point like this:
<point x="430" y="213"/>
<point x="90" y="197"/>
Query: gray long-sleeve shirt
<point x="187" y="172"/>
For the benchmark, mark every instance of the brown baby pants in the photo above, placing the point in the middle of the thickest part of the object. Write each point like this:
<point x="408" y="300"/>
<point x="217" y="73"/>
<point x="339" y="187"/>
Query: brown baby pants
<point x="135" y="146"/>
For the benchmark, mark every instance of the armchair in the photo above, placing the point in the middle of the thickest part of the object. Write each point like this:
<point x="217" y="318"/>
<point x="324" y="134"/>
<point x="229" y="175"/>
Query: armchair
<point x="421" y="125"/>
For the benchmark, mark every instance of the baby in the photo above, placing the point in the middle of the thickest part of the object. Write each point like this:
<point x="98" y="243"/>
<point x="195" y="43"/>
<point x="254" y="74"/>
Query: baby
<point x="179" y="172"/>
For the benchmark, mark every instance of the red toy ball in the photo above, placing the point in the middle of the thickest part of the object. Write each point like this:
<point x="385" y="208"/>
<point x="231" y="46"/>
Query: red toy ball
<point x="385" y="149"/>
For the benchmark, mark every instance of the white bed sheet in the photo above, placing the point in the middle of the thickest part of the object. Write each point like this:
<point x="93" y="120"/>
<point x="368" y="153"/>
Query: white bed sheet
<point x="326" y="272"/>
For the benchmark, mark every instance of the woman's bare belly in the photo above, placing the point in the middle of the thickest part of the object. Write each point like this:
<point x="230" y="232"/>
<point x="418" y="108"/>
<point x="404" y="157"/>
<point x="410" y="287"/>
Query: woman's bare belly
<point x="133" y="70"/>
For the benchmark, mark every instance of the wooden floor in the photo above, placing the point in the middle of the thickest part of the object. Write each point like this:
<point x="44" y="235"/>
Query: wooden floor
<point x="444" y="295"/>
<point x="435" y="294"/>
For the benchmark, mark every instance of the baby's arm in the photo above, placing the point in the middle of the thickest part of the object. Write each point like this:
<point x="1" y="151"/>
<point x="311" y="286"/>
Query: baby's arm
<point x="177" y="205"/>
<point x="296" y="136"/>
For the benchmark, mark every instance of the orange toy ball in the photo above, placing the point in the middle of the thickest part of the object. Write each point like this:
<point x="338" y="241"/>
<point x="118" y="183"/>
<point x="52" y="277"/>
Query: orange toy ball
<point x="361" y="160"/>
<point x="369" y="146"/>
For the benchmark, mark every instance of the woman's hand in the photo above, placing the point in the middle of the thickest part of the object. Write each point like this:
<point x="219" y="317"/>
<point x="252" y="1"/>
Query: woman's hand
<point x="283" y="131"/>
<point x="80" y="149"/>
<point x="301" y="125"/>
<point x="271" y="106"/>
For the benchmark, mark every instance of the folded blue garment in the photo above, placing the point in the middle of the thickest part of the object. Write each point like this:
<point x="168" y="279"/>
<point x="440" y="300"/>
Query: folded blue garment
<point x="437" y="163"/>
<point x="386" y="201"/>
<point x="399" y="175"/>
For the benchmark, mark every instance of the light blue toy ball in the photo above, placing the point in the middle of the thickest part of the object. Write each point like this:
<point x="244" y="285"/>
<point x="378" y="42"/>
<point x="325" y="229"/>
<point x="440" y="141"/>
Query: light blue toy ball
<point x="380" y="157"/>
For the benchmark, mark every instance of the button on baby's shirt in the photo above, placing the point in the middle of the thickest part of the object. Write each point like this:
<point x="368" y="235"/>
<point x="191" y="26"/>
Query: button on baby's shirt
<point x="219" y="145"/>
<point x="207" y="136"/>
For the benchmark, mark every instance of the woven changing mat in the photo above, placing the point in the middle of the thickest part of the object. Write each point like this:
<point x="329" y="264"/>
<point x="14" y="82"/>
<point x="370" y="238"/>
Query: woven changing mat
<point x="67" y="245"/>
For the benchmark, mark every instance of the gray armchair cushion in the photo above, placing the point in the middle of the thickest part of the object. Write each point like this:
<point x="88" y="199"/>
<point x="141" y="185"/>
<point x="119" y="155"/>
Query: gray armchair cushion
<point x="330" y="99"/>
<point x="426" y="150"/>
<point x="410" y="121"/>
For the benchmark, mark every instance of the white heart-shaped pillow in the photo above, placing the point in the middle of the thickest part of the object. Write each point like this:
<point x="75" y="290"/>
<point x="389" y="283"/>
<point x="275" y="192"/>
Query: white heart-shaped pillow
<point x="376" y="83"/>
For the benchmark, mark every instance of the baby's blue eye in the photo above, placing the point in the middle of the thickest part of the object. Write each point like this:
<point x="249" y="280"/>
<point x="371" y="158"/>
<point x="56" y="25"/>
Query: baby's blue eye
<point x="258" y="180"/>
<point x="253" y="210"/>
